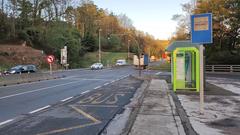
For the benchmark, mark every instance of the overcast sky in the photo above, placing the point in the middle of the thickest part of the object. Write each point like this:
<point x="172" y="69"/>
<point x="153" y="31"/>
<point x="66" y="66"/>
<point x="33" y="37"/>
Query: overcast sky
<point x="152" y="16"/>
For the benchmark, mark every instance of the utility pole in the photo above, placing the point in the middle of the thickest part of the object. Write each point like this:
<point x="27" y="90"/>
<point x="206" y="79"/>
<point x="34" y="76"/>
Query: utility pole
<point x="128" y="50"/>
<point x="99" y="45"/>
<point x="149" y="57"/>
<point x="139" y="61"/>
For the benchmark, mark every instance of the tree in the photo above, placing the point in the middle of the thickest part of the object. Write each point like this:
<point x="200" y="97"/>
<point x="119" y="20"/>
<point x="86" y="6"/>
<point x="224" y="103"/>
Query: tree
<point x="183" y="28"/>
<point x="89" y="42"/>
<point x="233" y="23"/>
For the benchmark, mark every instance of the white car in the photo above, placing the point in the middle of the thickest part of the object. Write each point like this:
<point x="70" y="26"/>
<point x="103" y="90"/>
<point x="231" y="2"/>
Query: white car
<point x="121" y="62"/>
<point x="97" y="66"/>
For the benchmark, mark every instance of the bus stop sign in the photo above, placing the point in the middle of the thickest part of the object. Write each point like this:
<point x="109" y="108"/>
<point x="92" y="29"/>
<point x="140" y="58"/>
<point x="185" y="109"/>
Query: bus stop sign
<point x="201" y="28"/>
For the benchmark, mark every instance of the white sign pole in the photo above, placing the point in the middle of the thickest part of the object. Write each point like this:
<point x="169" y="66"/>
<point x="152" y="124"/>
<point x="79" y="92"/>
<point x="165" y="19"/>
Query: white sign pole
<point x="201" y="49"/>
<point x="50" y="64"/>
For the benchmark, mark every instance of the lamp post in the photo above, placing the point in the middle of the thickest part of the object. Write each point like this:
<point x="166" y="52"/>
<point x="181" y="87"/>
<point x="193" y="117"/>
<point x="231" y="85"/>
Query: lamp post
<point x="99" y="45"/>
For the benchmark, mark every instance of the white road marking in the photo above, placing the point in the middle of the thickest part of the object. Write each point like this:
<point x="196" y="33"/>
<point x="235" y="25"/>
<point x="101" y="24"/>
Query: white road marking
<point x="113" y="81"/>
<point x="69" y="77"/>
<point x="106" y="84"/>
<point x="5" y="122"/>
<point x="85" y="79"/>
<point x="66" y="99"/>
<point x="97" y="87"/>
<point x="37" y="110"/>
<point x="36" y="90"/>
<point x="158" y="73"/>
<point x="85" y="92"/>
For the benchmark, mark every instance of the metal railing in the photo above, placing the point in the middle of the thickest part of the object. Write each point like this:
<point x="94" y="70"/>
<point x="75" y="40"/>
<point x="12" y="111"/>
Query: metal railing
<point x="223" y="68"/>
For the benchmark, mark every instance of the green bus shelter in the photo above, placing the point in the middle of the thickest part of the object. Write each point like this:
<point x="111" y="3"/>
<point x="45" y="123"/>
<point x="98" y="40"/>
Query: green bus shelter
<point x="185" y="65"/>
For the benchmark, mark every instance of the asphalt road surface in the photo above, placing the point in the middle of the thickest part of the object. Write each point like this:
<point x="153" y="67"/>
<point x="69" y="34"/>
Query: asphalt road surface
<point x="28" y="98"/>
<point x="86" y="114"/>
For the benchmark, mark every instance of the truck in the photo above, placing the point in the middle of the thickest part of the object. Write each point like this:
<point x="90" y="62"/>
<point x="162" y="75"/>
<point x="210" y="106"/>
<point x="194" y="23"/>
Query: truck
<point x="143" y="61"/>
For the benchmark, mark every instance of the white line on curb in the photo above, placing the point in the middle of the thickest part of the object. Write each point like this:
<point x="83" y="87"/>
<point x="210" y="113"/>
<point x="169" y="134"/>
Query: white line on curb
<point x="66" y="99"/>
<point x="37" y="90"/>
<point x="5" y="122"/>
<point x="37" y="110"/>
<point x="97" y="87"/>
<point x="85" y="92"/>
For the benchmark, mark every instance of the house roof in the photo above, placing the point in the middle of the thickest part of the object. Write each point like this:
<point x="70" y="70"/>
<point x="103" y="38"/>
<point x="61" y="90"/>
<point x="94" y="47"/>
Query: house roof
<point x="178" y="44"/>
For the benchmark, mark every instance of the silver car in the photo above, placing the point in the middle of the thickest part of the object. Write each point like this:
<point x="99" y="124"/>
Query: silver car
<point x="96" y="66"/>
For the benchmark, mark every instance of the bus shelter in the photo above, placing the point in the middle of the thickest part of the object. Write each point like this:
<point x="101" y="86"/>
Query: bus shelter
<point x="185" y="65"/>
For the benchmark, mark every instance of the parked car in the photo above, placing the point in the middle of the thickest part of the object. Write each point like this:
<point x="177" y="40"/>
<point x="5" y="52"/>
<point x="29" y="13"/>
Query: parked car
<point x="121" y="62"/>
<point x="97" y="66"/>
<point x="29" y="69"/>
<point x="21" y="69"/>
<point x="14" y="70"/>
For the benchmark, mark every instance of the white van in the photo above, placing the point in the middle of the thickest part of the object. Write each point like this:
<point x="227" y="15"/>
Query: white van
<point x="121" y="62"/>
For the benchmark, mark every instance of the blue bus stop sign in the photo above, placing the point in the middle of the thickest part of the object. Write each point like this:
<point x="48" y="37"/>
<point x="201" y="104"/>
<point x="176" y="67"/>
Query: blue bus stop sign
<point x="201" y="28"/>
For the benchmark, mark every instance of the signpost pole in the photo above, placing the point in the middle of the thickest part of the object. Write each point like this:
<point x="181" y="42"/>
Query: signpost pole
<point x="201" y="50"/>
<point x="50" y="64"/>
<point x="201" y="32"/>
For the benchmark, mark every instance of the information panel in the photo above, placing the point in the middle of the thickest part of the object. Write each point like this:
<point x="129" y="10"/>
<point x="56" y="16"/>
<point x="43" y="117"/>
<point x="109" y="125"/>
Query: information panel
<point x="201" y="28"/>
<point x="180" y="67"/>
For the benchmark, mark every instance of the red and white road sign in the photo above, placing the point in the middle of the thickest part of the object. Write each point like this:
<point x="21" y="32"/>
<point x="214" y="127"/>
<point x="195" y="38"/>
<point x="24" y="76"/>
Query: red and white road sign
<point x="50" y="59"/>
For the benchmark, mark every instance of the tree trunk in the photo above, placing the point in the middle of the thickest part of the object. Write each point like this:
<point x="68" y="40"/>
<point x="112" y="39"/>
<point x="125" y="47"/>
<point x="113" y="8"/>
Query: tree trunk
<point x="35" y="8"/>
<point x="56" y="9"/>
<point x="14" y="9"/>
<point x="2" y="6"/>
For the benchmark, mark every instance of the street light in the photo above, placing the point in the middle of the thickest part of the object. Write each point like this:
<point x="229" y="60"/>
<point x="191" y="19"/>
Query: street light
<point x="99" y="45"/>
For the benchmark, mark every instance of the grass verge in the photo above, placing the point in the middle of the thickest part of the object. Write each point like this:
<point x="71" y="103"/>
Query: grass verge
<point x="108" y="58"/>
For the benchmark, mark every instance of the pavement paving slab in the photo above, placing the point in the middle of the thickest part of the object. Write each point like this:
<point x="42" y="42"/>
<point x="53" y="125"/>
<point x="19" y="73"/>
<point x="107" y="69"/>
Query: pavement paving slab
<point x="154" y="125"/>
<point x="157" y="114"/>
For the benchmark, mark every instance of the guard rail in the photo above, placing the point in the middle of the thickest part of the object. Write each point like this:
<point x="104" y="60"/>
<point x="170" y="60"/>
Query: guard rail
<point x="223" y="68"/>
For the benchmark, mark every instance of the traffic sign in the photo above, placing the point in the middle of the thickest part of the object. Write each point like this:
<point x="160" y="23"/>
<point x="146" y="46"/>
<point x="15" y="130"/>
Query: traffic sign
<point x="201" y="28"/>
<point x="50" y="59"/>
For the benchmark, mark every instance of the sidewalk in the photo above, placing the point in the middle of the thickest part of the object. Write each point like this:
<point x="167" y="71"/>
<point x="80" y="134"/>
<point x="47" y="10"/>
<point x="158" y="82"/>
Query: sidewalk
<point x="157" y="115"/>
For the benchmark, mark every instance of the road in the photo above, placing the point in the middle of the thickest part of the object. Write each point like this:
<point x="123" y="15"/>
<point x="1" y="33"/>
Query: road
<point x="226" y="75"/>
<point x="27" y="98"/>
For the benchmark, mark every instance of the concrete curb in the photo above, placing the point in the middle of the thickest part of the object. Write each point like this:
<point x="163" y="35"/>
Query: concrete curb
<point x="189" y="130"/>
<point x="126" y="119"/>
<point x="134" y="107"/>
<point x="26" y="78"/>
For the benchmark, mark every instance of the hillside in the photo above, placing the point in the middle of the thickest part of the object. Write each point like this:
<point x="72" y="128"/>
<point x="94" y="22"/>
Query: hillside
<point x="11" y="55"/>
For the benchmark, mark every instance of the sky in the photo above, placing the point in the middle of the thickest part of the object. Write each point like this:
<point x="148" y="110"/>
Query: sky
<point x="151" y="16"/>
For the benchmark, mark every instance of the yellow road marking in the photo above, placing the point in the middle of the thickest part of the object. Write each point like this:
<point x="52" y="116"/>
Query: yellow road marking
<point x="67" y="129"/>
<point x="100" y="105"/>
<point x="95" y="122"/>
<point x="115" y="99"/>
<point x="90" y="98"/>
<point x="84" y="114"/>
<point x="101" y="101"/>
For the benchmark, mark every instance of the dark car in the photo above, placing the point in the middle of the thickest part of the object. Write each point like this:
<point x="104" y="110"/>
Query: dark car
<point x="15" y="70"/>
<point x="21" y="69"/>
<point x="29" y="69"/>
